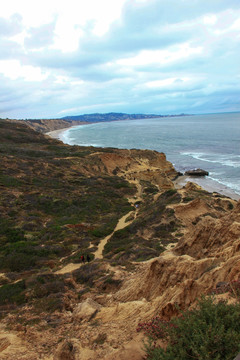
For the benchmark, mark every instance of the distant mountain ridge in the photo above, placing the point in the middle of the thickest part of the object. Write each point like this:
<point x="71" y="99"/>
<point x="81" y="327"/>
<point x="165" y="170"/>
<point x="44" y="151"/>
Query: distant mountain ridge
<point x="112" y="116"/>
<point x="47" y="125"/>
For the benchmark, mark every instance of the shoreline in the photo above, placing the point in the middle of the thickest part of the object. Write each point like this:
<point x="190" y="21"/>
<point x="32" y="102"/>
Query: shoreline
<point x="206" y="183"/>
<point x="56" y="134"/>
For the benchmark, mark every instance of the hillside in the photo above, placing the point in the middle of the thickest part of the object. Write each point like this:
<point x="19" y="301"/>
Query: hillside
<point x="48" y="125"/>
<point x="152" y="249"/>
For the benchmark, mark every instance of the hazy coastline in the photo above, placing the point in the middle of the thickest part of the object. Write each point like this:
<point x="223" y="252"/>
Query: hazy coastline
<point x="206" y="183"/>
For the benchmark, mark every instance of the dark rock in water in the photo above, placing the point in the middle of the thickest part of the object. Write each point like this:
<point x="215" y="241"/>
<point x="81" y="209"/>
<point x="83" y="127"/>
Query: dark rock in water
<point x="196" y="172"/>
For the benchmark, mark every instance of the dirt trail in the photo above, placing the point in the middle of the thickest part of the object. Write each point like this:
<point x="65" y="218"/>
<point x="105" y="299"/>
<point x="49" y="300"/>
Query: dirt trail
<point x="68" y="268"/>
<point x="120" y="225"/>
<point x="122" y="222"/>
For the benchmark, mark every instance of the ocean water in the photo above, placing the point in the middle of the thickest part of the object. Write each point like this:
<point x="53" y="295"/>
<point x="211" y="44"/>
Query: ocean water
<point x="210" y="142"/>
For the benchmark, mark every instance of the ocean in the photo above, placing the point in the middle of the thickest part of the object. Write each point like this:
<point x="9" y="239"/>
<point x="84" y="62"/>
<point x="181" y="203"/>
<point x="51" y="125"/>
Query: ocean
<point x="210" y="142"/>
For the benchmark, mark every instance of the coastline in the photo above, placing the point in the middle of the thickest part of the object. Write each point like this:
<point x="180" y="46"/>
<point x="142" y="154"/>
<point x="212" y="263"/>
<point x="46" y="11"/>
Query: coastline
<point x="56" y="134"/>
<point x="205" y="182"/>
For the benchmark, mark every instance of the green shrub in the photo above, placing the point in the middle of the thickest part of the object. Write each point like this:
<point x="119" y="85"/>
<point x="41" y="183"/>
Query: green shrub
<point x="17" y="261"/>
<point x="104" y="230"/>
<point x="120" y="241"/>
<point x="170" y="192"/>
<point x="10" y="233"/>
<point x="88" y="273"/>
<point x="9" y="181"/>
<point x="187" y="199"/>
<point x="110" y="281"/>
<point x="50" y="304"/>
<point x="230" y="206"/>
<point x="209" y="332"/>
<point x="12" y="293"/>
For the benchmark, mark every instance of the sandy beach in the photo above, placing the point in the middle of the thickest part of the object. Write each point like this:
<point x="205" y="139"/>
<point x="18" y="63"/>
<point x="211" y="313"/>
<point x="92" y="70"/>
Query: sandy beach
<point x="56" y="134"/>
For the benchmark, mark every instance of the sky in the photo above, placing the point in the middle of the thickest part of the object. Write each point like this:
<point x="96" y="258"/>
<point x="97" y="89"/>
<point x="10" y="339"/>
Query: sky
<point x="60" y="58"/>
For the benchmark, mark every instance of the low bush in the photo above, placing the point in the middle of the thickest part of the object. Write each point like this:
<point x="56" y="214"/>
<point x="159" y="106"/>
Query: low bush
<point x="9" y="233"/>
<point x="9" y="181"/>
<point x="103" y="230"/>
<point x="118" y="242"/>
<point x="12" y="293"/>
<point x="53" y="302"/>
<point x="187" y="199"/>
<point x="88" y="273"/>
<point x="211" y="331"/>
<point x="232" y="287"/>
<point x="17" y="261"/>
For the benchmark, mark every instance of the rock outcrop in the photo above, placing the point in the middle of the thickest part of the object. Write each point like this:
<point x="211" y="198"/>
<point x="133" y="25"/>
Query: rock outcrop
<point x="196" y="172"/>
<point x="86" y="310"/>
<point x="139" y="165"/>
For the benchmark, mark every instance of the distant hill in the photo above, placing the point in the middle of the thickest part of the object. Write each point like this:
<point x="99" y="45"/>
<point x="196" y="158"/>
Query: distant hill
<point x="97" y="117"/>
<point x="46" y="125"/>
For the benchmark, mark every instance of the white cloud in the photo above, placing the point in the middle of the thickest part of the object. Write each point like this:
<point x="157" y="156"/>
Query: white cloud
<point x="88" y="108"/>
<point x="14" y="70"/>
<point x="147" y="57"/>
<point x="210" y="19"/>
<point x="71" y="17"/>
<point x="166" y="82"/>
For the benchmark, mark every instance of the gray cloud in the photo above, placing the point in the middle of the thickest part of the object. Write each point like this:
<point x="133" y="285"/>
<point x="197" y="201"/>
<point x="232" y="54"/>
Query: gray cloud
<point x="12" y="26"/>
<point x="40" y="36"/>
<point x="9" y="49"/>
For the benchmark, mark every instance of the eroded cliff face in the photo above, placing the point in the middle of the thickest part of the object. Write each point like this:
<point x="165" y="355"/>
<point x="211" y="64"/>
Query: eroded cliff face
<point x="139" y="165"/>
<point x="217" y="236"/>
<point x="48" y="125"/>
<point x="195" y="234"/>
<point x="207" y="254"/>
<point x="104" y="328"/>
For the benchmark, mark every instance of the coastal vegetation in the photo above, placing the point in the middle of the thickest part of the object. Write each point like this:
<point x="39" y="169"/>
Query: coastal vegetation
<point x="210" y="331"/>
<point x="53" y="210"/>
<point x="130" y="244"/>
<point x="149" y="249"/>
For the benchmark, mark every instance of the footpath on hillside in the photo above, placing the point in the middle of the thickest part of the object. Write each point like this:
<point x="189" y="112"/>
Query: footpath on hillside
<point x="122" y="223"/>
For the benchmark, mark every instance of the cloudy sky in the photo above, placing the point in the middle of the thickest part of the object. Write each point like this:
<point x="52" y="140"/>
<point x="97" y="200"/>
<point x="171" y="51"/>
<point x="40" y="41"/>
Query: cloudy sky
<point x="72" y="57"/>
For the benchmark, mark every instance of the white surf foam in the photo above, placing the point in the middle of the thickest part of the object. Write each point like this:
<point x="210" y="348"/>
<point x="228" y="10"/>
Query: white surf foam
<point x="230" y="160"/>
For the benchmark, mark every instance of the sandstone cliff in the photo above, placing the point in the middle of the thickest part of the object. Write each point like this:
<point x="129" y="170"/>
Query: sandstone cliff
<point x="47" y="125"/>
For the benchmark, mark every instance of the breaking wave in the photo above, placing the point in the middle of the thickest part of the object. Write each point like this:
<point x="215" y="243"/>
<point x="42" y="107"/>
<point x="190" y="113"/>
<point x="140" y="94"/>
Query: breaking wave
<point x="231" y="160"/>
